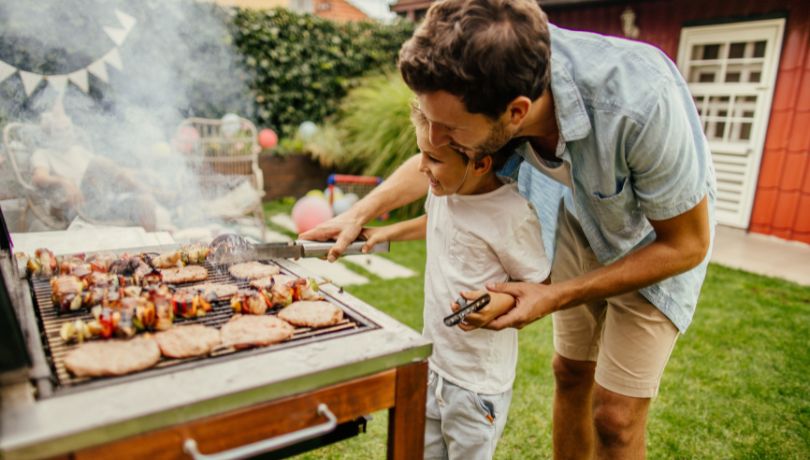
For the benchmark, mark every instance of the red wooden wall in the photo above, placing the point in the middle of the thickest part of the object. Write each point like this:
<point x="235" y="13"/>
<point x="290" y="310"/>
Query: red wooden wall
<point x="782" y="200"/>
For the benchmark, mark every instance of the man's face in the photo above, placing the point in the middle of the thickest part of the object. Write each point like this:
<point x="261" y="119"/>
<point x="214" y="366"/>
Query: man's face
<point x="451" y="124"/>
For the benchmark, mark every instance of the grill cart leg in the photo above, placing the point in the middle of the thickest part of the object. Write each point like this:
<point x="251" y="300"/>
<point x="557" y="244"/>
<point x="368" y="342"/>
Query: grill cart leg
<point x="406" y="420"/>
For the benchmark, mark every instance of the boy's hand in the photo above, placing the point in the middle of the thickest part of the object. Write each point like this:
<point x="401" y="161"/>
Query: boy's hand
<point x="498" y="305"/>
<point x="374" y="235"/>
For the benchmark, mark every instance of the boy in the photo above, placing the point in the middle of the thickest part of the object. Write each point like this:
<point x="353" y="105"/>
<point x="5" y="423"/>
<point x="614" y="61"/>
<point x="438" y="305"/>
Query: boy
<point x="473" y="223"/>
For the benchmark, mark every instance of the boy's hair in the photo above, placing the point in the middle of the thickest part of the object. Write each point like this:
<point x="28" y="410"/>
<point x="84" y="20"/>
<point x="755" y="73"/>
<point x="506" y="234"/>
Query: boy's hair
<point x="486" y="52"/>
<point x="420" y="124"/>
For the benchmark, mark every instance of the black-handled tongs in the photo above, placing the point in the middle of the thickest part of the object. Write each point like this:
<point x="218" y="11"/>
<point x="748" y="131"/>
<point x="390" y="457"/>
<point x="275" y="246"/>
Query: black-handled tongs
<point x="466" y="308"/>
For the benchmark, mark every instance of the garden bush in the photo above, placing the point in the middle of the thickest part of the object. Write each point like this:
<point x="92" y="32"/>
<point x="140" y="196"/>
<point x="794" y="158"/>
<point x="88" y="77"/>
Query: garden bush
<point x="301" y="65"/>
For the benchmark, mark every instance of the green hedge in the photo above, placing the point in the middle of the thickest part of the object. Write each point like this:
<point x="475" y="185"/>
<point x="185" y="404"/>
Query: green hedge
<point x="302" y="65"/>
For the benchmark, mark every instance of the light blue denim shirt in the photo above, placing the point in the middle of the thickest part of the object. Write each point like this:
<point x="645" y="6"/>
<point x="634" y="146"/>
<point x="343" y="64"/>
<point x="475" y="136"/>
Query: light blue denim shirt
<point x="632" y="136"/>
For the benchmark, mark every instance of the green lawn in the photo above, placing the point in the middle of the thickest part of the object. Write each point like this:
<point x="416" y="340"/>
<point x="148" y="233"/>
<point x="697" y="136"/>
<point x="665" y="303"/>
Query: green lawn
<point x="737" y="384"/>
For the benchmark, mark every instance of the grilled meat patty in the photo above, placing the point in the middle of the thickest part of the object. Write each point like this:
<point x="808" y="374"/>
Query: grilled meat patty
<point x="252" y="270"/>
<point x="114" y="357"/>
<point x="187" y="341"/>
<point x="185" y="274"/>
<point x="244" y="331"/>
<point x="311" y="314"/>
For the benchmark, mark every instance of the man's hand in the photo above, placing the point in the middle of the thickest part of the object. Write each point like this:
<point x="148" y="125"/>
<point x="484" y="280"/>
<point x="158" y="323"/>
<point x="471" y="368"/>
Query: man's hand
<point x="499" y="304"/>
<point x="344" y="229"/>
<point x="532" y="302"/>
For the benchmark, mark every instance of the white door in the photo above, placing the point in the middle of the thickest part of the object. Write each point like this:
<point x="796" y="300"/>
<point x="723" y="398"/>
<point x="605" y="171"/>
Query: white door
<point x="731" y="71"/>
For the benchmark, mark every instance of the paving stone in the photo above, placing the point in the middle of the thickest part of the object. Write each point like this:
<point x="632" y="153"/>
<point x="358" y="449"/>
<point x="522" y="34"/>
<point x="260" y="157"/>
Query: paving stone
<point x="381" y="266"/>
<point x="284" y="221"/>
<point x="335" y="272"/>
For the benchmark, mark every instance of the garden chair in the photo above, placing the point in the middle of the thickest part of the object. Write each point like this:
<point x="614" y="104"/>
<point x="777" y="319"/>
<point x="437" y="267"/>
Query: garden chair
<point x="221" y="153"/>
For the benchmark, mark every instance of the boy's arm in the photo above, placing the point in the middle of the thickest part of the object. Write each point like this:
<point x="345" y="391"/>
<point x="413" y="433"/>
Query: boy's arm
<point x="499" y="304"/>
<point x="412" y="229"/>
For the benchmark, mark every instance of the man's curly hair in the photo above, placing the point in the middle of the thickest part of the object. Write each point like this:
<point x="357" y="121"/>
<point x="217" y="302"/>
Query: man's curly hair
<point x="486" y="52"/>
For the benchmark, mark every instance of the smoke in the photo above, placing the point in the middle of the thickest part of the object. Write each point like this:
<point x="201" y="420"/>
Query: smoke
<point x="176" y="61"/>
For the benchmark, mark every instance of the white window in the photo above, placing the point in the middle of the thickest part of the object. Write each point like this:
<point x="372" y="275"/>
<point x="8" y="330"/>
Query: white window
<point x="731" y="71"/>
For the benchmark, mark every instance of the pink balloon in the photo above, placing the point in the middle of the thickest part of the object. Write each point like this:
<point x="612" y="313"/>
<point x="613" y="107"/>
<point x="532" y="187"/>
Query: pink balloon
<point x="268" y="138"/>
<point x="309" y="212"/>
<point x="186" y="138"/>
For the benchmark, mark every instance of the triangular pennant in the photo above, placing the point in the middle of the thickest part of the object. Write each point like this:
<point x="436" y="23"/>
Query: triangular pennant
<point x="6" y="70"/>
<point x="114" y="59"/>
<point x="117" y="35"/>
<point x="30" y="81"/>
<point x="58" y="82"/>
<point x="99" y="70"/>
<point x="126" y="20"/>
<point x="79" y="78"/>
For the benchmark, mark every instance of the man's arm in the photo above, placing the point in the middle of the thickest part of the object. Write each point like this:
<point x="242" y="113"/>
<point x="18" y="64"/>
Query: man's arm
<point x="681" y="243"/>
<point x="404" y="186"/>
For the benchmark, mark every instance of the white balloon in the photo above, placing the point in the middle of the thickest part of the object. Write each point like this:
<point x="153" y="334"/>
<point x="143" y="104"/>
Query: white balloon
<point x="306" y="130"/>
<point x="342" y="205"/>
<point x="230" y="124"/>
<point x="351" y="198"/>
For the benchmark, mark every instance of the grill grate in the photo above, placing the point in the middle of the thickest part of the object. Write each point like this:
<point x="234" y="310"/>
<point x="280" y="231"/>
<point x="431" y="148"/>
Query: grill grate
<point x="52" y="321"/>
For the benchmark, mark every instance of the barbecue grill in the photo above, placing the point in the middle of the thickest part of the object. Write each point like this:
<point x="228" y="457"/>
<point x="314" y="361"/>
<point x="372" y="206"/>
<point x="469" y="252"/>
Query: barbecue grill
<point x="237" y="403"/>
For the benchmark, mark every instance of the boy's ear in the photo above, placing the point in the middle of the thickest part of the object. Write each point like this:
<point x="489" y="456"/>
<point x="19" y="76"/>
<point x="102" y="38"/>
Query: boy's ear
<point x="482" y="165"/>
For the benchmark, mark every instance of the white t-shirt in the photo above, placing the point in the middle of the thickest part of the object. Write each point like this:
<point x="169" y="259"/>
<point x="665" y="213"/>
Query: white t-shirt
<point x="70" y="164"/>
<point x="473" y="240"/>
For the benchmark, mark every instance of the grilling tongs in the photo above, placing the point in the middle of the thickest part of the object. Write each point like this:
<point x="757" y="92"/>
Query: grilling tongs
<point x="230" y="248"/>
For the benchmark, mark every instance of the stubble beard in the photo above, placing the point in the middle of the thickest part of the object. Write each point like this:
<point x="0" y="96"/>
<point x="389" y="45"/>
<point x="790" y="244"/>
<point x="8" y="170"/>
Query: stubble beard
<point x="497" y="138"/>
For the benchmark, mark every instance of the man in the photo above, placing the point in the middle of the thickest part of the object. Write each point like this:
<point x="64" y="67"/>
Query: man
<point x="76" y="178"/>
<point x="618" y="169"/>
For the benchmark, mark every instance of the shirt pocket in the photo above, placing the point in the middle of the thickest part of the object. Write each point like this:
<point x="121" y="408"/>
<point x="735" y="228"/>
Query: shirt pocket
<point x="618" y="213"/>
<point x="469" y="253"/>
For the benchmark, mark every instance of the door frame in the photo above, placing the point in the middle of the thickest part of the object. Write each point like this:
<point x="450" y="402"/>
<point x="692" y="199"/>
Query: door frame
<point x="744" y="30"/>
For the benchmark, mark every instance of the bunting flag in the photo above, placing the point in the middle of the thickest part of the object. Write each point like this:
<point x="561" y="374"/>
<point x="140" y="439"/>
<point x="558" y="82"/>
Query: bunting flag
<point x="126" y="20"/>
<point x="6" y="70"/>
<point x="30" y="81"/>
<point x="117" y="35"/>
<point x="98" y="68"/>
<point x="79" y="78"/>
<point x="114" y="59"/>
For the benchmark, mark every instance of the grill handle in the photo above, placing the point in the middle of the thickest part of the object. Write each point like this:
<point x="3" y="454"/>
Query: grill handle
<point x="267" y="445"/>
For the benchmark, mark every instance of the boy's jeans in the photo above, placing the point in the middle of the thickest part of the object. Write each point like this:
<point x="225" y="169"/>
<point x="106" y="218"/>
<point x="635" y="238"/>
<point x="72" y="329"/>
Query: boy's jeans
<point x="461" y="424"/>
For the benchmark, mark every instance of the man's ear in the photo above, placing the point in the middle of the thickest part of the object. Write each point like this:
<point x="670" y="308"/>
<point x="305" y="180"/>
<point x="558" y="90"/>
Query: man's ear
<point x="482" y="166"/>
<point x="518" y="109"/>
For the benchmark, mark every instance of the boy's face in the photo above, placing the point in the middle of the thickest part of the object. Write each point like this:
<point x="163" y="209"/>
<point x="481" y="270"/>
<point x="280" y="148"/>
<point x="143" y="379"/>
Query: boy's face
<point x="451" y="125"/>
<point x="445" y="168"/>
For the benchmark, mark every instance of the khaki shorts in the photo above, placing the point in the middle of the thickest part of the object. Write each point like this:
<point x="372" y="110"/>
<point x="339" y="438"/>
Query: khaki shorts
<point x="628" y="337"/>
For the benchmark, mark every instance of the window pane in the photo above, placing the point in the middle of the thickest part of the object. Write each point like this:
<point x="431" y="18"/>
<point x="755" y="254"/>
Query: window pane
<point x="718" y="131"/>
<point x="745" y="132"/>
<point x="704" y="74"/>
<point x="733" y="77"/>
<point x="711" y="51"/>
<point x="759" y="49"/>
<point x="736" y="50"/>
